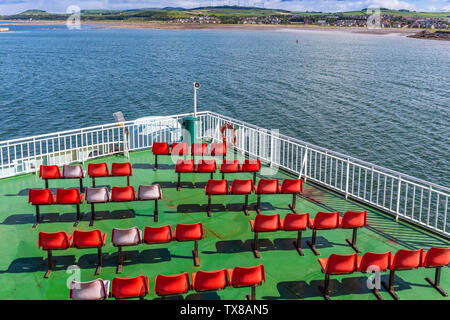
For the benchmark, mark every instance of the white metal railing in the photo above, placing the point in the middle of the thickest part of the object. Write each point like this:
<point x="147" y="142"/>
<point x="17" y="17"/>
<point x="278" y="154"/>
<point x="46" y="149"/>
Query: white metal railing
<point x="403" y="196"/>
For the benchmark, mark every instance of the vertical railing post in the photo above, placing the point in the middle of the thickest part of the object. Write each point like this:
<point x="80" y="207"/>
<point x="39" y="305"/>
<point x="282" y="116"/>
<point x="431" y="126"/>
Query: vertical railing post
<point x="398" y="197"/>
<point x="272" y="148"/>
<point x="347" y="178"/>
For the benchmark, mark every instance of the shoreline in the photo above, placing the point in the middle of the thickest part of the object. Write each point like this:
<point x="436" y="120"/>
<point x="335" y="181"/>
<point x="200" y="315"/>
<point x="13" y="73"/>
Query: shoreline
<point x="182" y="26"/>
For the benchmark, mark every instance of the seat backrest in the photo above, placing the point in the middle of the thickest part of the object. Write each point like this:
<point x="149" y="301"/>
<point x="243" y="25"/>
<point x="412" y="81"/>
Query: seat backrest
<point x="199" y="148"/>
<point x="230" y="166"/>
<point x="151" y="192"/>
<point x="54" y="240"/>
<point x="75" y="171"/>
<point x="68" y="196"/>
<point x="339" y="263"/>
<point x="295" y="221"/>
<point x="436" y="257"/>
<point x="49" y="172"/>
<point x="121" y="169"/>
<point x="130" y="287"/>
<point x="88" y="239"/>
<point x="187" y="232"/>
<point x="242" y="186"/>
<point x="206" y="166"/>
<point x="160" y="148"/>
<point x="251" y="165"/>
<point x="218" y="149"/>
<point x="98" y="169"/>
<point x="97" y="195"/>
<point x="40" y="196"/>
<point x="247" y="276"/>
<point x="326" y="220"/>
<point x="158" y="234"/>
<point x="267" y="186"/>
<point x="126" y="236"/>
<point x="173" y="284"/>
<point x="291" y="186"/>
<point x="119" y="194"/>
<point x="371" y="261"/>
<point x="216" y="187"/>
<point x="210" y="280"/>
<point x="185" y="165"/>
<point x="267" y="222"/>
<point x="354" y="219"/>
<point x="179" y="148"/>
<point x="407" y="259"/>
<point x="90" y="290"/>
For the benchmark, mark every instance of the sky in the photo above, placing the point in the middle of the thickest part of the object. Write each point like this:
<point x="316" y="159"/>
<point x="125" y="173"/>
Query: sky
<point x="16" y="6"/>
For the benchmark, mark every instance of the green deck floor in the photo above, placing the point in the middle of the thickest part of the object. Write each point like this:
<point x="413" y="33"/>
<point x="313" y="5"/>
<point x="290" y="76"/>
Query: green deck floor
<point x="227" y="243"/>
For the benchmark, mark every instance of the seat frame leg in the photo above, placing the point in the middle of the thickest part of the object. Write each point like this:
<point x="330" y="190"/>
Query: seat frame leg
<point x="312" y="243"/>
<point x="352" y="243"/>
<point x="50" y="264"/>
<point x="252" y="295"/>
<point x="436" y="283"/>
<point x="156" y="163"/>
<point x="292" y="205"/>
<point x="208" y="210"/>
<point x="256" y="246"/>
<point x="258" y="204"/>
<point x="325" y="290"/>
<point x="120" y="260"/>
<point x="223" y="176"/>
<point x="254" y="178"/>
<point x="128" y="181"/>
<point x="46" y="183"/>
<point x="246" y="205"/>
<point x="92" y="215"/>
<point x="212" y="175"/>
<point x="179" y="182"/>
<point x="195" y="253"/>
<point x="155" y="217"/>
<point x="100" y="261"/>
<point x="377" y="294"/>
<point x="93" y="182"/>
<point x="81" y="185"/>
<point x="298" y="243"/>
<point x="38" y="216"/>
<point x="390" y="287"/>
<point x="78" y="216"/>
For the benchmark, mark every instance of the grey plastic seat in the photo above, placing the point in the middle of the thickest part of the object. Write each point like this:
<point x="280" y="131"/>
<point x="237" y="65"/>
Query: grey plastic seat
<point x="125" y="237"/>
<point x="150" y="192"/>
<point x="96" y="195"/>
<point x="97" y="289"/>
<point x="74" y="172"/>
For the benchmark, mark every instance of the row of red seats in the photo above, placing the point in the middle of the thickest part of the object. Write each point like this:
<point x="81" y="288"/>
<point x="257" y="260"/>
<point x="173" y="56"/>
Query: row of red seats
<point x="39" y="197"/>
<point x="300" y="222"/>
<point x="210" y="166"/>
<point x="169" y="285"/>
<point x="181" y="149"/>
<point x="95" y="170"/>
<point x="403" y="259"/>
<point x="246" y="187"/>
<point x="120" y="238"/>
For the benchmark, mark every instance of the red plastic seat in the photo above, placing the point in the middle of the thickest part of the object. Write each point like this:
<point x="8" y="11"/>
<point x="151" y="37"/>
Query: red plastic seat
<point x="97" y="170"/>
<point x="90" y="239"/>
<point x="402" y="260"/>
<point x="218" y="149"/>
<point x="206" y="166"/>
<point x="179" y="149"/>
<point x="291" y="186"/>
<point x="72" y="197"/>
<point x="123" y="288"/>
<point x="264" y="223"/>
<point x="39" y="197"/>
<point x="265" y="186"/>
<point x="210" y="280"/>
<point x="251" y="166"/>
<point x="122" y="169"/>
<point x="172" y="285"/>
<point x="190" y="232"/>
<point x="322" y="221"/>
<point x="154" y="235"/>
<point x="53" y="241"/>
<point x="353" y="220"/>
<point x="296" y="222"/>
<point x="122" y="194"/>
<point x="199" y="149"/>
<point x="244" y="187"/>
<point x="436" y="258"/>
<point x="374" y="262"/>
<point x="161" y="149"/>
<point x="183" y="166"/>
<point x="229" y="166"/>
<point x="247" y="277"/>
<point x="49" y="172"/>
<point x="215" y="187"/>
<point x="336" y="264"/>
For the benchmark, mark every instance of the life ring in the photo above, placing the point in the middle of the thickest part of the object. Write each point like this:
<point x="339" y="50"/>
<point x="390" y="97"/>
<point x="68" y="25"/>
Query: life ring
<point x="230" y="127"/>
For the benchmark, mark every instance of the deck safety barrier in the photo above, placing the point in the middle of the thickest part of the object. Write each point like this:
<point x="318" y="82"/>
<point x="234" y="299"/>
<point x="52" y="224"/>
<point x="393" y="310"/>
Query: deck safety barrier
<point x="415" y="200"/>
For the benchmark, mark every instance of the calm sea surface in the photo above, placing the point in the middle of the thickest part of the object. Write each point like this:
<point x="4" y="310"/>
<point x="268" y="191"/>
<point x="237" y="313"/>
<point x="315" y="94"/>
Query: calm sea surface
<point x="383" y="99"/>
